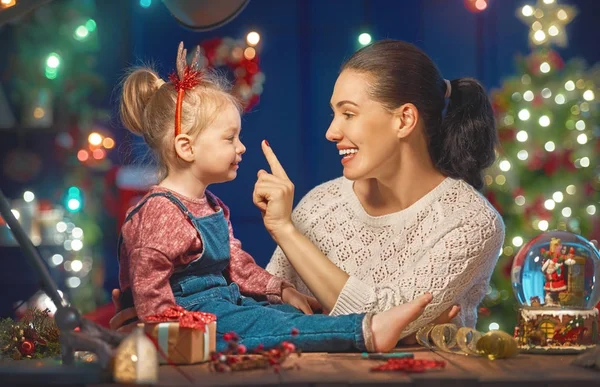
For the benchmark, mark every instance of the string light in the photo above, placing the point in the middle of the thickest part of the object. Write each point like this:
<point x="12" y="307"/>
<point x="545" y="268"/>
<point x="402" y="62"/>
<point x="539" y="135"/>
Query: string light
<point x="580" y="125"/>
<point x="504" y="165"/>
<point x="253" y="38"/>
<point x="56" y="259"/>
<point x="566" y="212"/>
<point x="591" y="209"/>
<point x="543" y="225"/>
<point x="545" y="67"/>
<point x="83" y="155"/>
<point x="364" y="38"/>
<point x="108" y="143"/>
<point x="571" y="189"/>
<point x="582" y="138"/>
<point x="588" y="95"/>
<point x="570" y="86"/>
<point x="549" y="204"/>
<point x="549" y="146"/>
<point x="7" y="3"/>
<point x="517" y="241"/>
<point x="546" y="93"/>
<point x="528" y="96"/>
<point x="522" y="136"/>
<point x="81" y="33"/>
<point x="95" y="139"/>
<point x="557" y="196"/>
<point x="559" y="99"/>
<point x="522" y="155"/>
<point x="585" y="162"/>
<point x="520" y="200"/>
<point x="28" y="196"/>
<point x="544" y="121"/>
<point x="494" y="326"/>
<point x="524" y="114"/>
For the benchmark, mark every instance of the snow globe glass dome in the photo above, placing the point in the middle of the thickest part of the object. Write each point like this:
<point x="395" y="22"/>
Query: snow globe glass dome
<point x="554" y="280"/>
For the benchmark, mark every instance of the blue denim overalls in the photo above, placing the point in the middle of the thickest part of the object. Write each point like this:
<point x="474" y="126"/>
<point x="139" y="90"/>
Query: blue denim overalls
<point x="201" y="286"/>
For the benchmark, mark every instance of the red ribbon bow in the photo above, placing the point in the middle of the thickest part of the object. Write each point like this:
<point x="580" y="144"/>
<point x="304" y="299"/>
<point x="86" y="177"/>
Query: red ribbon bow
<point x="186" y="319"/>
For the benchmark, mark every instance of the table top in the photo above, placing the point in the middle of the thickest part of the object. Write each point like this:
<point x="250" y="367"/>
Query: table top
<point x="341" y="369"/>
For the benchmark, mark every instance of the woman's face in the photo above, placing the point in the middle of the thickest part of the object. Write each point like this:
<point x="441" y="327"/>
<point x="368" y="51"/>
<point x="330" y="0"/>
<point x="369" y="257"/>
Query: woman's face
<point x="364" y="131"/>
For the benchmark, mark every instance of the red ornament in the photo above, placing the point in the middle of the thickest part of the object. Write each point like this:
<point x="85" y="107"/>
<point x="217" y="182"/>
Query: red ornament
<point x="295" y="332"/>
<point x="476" y="6"/>
<point x="27" y="348"/>
<point x="245" y="67"/>
<point x="507" y="134"/>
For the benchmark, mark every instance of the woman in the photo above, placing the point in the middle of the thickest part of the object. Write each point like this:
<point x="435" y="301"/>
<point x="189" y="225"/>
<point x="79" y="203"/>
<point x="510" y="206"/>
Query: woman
<point x="406" y="217"/>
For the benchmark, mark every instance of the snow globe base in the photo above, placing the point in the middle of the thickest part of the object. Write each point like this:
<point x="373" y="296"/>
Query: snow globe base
<point x="560" y="331"/>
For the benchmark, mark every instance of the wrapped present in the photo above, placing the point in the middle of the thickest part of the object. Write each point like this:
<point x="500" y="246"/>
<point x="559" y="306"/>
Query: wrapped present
<point x="183" y="337"/>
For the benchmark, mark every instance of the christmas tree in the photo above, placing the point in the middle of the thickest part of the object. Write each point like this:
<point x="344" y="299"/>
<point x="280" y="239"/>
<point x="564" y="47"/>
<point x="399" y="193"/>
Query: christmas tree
<point x="546" y="175"/>
<point x="53" y="88"/>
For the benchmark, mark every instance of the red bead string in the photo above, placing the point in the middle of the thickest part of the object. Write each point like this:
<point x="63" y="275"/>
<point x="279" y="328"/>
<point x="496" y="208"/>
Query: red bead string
<point x="409" y="365"/>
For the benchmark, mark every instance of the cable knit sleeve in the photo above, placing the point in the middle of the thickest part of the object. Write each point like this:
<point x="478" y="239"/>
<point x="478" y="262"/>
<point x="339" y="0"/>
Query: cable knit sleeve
<point x="252" y="279"/>
<point x="454" y="263"/>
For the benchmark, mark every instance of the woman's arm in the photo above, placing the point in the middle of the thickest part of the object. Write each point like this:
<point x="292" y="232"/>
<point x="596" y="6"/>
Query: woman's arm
<point x="324" y="279"/>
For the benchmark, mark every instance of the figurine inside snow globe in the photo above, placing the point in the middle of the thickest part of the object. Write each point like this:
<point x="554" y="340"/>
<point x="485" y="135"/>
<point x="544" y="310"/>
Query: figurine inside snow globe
<point x="554" y="279"/>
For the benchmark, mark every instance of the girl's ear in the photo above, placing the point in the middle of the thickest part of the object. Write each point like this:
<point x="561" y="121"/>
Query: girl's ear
<point x="184" y="148"/>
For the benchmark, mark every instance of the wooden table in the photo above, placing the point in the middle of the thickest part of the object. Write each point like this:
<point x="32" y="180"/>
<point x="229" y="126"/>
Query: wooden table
<point x="320" y="369"/>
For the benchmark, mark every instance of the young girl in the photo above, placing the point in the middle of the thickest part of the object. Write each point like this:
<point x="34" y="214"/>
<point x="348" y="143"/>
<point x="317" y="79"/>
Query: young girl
<point x="177" y="245"/>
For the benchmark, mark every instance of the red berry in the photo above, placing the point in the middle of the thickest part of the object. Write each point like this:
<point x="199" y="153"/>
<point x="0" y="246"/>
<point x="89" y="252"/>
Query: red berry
<point x="295" y="332"/>
<point x="229" y="336"/>
<point x="241" y="349"/>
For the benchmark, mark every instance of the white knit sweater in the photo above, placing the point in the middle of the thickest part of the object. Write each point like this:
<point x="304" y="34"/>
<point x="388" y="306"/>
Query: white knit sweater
<point x="446" y="243"/>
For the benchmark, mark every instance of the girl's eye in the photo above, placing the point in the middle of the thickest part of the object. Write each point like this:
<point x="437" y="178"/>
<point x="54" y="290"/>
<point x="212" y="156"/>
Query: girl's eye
<point x="348" y="115"/>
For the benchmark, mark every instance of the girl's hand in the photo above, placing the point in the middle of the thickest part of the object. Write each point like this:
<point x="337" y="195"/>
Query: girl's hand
<point x="274" y="195"/>
<point x="117" y="322"/>
<point x="301" y="301"/>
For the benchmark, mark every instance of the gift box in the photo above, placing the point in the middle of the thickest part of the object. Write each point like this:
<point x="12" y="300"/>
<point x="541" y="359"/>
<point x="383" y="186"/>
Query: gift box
<point x="183" y="337"/>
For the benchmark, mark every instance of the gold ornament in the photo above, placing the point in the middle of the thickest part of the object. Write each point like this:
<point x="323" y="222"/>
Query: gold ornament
<point x="467" y="341"/>
<point x="547" y="20"/>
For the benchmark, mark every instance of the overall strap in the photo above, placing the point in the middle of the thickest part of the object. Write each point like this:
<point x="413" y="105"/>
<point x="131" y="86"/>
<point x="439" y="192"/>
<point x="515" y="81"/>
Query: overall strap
<point x="137" y="208"/>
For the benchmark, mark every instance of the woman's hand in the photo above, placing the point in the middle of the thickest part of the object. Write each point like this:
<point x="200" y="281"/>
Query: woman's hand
<point x="274" y="195"/>
<point x="300" y="301"/>
<point x="443" y="318"/>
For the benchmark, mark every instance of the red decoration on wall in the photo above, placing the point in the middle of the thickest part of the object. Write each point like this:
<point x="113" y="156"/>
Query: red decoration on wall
<point x="242" y="60"/>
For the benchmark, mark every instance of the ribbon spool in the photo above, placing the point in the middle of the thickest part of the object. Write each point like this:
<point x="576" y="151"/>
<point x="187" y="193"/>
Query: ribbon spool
<point x="467" y="341"/>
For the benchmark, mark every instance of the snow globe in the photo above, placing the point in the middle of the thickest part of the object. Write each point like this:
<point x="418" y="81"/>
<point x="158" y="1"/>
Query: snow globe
<point x="554" y="280"/>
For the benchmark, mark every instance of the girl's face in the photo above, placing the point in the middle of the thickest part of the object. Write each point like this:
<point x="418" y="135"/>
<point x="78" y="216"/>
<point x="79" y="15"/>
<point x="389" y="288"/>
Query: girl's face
<point x="218" y="149"/>
<point x="365" y="132"/>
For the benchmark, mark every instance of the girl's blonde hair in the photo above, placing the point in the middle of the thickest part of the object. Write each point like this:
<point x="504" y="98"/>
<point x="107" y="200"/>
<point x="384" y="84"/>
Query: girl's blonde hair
<point x="148" y="104"/>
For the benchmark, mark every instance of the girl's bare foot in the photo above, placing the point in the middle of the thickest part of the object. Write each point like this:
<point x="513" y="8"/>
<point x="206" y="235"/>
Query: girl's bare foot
<point x="388" y="326"/>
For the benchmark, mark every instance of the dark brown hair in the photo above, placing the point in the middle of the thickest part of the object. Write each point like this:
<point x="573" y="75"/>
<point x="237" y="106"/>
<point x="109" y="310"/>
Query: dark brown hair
<point x="462" y="142"/>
